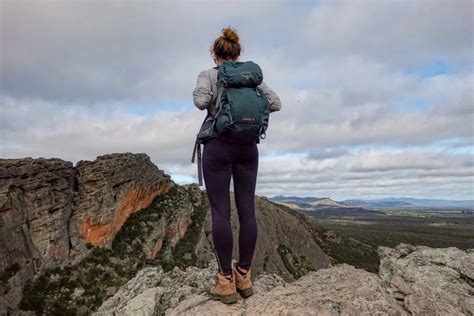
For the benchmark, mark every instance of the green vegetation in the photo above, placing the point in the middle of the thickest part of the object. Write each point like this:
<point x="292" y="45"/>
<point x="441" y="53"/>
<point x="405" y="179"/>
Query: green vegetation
<point x="8" y="273"/>
<point x="433" y="230"/>
<point x="184" y="252"/>
<point x="359" y="237"/>
<point x="353" y="238"/>
<point x="296" y="265"/>
<point x="342" y="249"/>
<point x="82" y="288"/>
<point x="51" y="292"/>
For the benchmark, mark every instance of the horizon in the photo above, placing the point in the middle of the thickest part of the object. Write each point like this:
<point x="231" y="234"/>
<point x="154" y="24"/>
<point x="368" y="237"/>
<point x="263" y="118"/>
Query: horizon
<point x="372" y="108"/>
<point x="362" y="199"/>
<point x="298" y="196"/>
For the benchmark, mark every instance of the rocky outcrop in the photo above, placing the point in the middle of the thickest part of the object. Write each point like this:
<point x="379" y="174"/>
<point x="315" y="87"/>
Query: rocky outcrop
<point x="174" y="231"/>
<point x="109" y="190"/>
<point x="35" y="208"/>
<point x="50" y="210"/>
<point x="430" y="281"/>
<point x="337" y="290"/>
<point x="412" y="281"/>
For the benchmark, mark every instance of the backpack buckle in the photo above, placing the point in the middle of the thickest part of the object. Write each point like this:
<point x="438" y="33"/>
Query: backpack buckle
<point x="262" y="135"/>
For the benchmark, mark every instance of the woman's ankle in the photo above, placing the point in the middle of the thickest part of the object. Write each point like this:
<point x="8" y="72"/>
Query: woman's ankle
<point x="227" y="275"/>
<point x="242" y="271"/>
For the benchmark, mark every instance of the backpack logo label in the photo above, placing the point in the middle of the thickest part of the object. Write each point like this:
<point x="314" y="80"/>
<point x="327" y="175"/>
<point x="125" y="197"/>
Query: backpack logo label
<point x="246" y="74"/>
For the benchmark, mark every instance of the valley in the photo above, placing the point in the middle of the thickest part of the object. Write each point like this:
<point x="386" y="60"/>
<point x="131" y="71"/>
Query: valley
<point x="361" y="230"/>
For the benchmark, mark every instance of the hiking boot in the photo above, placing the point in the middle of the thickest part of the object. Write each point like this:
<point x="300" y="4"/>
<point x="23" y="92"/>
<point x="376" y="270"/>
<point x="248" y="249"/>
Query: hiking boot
<point x="243" y="282"/>
<point x="224" y="290"/>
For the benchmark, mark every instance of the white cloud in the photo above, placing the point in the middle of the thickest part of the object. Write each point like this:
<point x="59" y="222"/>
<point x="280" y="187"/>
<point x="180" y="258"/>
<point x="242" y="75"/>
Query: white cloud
<point x="371" y="174"/>
<point x="349" y="73"/>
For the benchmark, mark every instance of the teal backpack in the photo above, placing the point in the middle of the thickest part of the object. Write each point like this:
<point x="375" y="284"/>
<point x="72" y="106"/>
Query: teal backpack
<point x="242" y="109"/>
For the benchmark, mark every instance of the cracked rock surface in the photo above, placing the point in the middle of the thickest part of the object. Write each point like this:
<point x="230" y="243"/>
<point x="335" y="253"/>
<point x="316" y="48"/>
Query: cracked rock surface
<point x="412" y="280"/>
<point x="430" y="281"/>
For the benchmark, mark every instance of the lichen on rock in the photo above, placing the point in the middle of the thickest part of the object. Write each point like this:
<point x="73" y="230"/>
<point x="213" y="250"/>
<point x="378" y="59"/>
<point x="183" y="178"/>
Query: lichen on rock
<point x="337" y="290"/>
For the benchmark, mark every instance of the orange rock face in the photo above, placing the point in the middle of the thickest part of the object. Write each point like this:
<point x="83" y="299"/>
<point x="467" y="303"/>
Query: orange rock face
<point x="95" y="234"/>
<point x="134" y="199"/>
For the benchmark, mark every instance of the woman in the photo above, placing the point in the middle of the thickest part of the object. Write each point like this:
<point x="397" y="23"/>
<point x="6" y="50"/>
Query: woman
<point x="221" y="160"/>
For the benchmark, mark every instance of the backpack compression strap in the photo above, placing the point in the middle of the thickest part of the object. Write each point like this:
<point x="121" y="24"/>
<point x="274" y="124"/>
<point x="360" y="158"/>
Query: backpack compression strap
<point x="197" y="148"/>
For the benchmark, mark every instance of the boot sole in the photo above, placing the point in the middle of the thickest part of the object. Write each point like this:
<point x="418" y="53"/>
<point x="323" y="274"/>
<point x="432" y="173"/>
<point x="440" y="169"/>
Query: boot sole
<point x="227" y="299"/>
<point x="245" y="292"/>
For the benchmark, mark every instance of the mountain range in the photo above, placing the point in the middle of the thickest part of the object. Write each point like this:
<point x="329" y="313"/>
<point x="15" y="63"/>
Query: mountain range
<point x="390" y="203"/>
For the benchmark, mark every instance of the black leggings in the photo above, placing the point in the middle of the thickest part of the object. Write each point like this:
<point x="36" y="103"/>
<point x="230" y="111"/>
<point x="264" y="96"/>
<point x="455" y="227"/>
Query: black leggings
<point x="220" y="160"/>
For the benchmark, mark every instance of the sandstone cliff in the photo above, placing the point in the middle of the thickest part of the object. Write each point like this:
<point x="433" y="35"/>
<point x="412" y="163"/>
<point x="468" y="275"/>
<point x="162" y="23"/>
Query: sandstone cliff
<point x="104" y="220"/>
<point x="411" y="281"/>
<point x="49" y="209"/>
<point x="109" y="190"/>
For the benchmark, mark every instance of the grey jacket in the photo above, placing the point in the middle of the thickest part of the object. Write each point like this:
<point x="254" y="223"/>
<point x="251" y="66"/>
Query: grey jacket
<point x="205" y="93"/>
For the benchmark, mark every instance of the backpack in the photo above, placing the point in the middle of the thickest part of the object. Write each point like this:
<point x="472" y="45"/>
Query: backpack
<point x="242" y="115"/>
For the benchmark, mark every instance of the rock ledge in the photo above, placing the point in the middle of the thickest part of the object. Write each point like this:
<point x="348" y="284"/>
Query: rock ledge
<point x="412" y="280"/>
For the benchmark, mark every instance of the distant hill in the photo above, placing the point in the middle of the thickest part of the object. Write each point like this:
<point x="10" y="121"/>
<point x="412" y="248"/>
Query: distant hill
<point x="306" y="202"/>
<point x="323" y="207"/>
<point x="402" y="202"/>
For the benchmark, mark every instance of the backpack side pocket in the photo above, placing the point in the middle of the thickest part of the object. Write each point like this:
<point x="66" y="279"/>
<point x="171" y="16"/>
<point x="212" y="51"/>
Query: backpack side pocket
<point x="207" y="130"/>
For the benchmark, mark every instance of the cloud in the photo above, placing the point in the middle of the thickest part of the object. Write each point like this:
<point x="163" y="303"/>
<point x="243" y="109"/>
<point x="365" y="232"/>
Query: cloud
<point x="89" y="51"/>
<point x="76" y="133"/>
<point x="107" y="50"/>
<point x="371" y="173"/>
<point x="377" y="96"/>
<point x="404" y="33"/>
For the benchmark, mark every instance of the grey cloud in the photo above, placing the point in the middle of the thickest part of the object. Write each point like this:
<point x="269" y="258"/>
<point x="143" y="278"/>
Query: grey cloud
<point x="167" y="138"/>
<point x="409" y="33"/>
<point x="386" y="184"/>
<point x="109" y="50"/>
<point x="340" y="69"/>
<point x="321" y="119"/>
<point x="388" y="173"/>
<point x="74" y="134"/>
<point x="114" y="50"/>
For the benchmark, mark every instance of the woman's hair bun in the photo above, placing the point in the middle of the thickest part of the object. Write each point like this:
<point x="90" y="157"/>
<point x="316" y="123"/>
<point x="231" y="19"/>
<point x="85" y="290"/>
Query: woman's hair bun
<point x="227" y="45"/>
<point x="230" y="35"/>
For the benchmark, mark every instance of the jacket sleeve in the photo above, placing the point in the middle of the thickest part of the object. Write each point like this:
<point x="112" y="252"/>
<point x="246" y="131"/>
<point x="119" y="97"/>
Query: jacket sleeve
<point x="202" y="93"/>
<point x="273" y="99"/>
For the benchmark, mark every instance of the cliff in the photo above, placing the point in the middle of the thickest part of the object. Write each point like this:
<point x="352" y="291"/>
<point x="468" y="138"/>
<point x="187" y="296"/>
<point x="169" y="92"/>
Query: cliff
<point x="50" y="210"/>
<point x="91" y="227"/>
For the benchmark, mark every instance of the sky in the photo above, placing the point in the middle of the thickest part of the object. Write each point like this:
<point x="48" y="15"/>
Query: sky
<point x="377" y="96"/>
